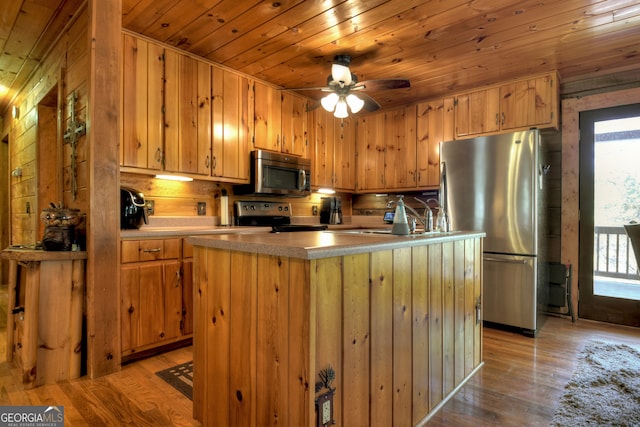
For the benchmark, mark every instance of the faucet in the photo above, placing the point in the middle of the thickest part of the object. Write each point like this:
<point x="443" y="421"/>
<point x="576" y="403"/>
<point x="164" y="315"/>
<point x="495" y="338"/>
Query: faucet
<point x="442" y="220"/>
<point x="426" y="220"/>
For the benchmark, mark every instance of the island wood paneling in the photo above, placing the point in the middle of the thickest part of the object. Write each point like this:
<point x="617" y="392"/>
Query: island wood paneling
<point x="399" y="328"/>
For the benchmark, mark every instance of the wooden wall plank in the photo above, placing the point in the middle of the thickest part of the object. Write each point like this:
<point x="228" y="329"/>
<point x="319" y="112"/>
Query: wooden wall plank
<point x="402" y="338"/>
<point x="435" y="326"/>
<point x="273" y="338"/>
<point x="355" y="339"/>
<point x="300" y="378"/>
<point x="328" y="278"/>
<point x="381" y="338"/>
<point x="242" y="335"/>
<point x="459" y="344"/>
<point x="448" y="316"/>
<point x="420" y="344"/>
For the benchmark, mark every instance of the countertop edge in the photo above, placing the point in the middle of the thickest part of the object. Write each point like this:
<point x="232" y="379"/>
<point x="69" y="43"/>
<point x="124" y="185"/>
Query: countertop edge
<point x="351" y="245"/>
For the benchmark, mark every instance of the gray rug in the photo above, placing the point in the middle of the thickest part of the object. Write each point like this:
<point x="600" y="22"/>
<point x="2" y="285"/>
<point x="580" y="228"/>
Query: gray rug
<point x="604" y="390"/>
<point x="180" y="377"/>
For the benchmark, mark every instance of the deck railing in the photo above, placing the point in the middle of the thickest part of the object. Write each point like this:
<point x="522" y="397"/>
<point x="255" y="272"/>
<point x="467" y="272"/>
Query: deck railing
<point x="613" y="254"/>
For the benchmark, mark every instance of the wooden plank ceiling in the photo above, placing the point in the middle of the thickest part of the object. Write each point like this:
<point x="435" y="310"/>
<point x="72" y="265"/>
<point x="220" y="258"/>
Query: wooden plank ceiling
<point x="442" y="46"/>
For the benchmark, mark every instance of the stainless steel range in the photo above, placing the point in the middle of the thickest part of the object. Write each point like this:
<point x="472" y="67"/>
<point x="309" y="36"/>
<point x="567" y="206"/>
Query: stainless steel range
<point x="277" y="215"/>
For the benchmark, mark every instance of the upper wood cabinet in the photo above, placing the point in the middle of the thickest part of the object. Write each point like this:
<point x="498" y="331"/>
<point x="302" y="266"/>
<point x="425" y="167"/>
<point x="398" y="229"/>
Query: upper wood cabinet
<point x="280" y="120"/>
<point x="521" y="104"/>
<point x="434" y="125"/>
<point x="370" y="146"/>
<point x="386" y="146"/>
<point x="478" y="112"/>
<point x="187" y="114"/>
<point x="232" y="126"/>
<point x="294" y="121"/>
<point x="530" y="102"/>
<point x="333" y="151"/>
<point x="142" y="121"/>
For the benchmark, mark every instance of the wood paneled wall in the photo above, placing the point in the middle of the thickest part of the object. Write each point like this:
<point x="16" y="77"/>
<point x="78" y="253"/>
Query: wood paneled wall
<point x="34" y="135"/>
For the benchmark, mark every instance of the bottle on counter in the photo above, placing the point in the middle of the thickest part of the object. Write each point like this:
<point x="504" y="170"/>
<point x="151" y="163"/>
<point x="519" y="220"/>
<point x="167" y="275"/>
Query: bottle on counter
<point x="400" y="224"/>
<point x="224" y="208"/>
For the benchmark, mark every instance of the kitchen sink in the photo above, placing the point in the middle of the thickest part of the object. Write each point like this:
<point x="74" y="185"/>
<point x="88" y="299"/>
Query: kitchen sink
<point x="365" y="231"/>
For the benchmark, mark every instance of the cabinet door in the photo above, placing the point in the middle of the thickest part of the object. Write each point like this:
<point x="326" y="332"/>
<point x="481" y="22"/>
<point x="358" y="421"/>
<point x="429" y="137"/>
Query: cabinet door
<point x="151" y="307"/>
<point x="188" y="114"/>
<point x="267" y="122"/>
<point x="322" y="159"/>
<point x="230" y="128"/>
<point x="142" y="123"/>
<point x="129" y="307"/>
<point x="172" y="293"/>
<point x="400" y="148"/>
<point x="434" y="125"/>
<point x="370" y="148"/>
<point x="187" y="296"/>
<point x="294" y="125"/>
<point x="478" y="112"/>
<point x="203" y="104"/>
<point x="171" y="111"/>
<point x="528" y="103"/>
<point x="344" y="153"/>
<point x="160" y="309"/>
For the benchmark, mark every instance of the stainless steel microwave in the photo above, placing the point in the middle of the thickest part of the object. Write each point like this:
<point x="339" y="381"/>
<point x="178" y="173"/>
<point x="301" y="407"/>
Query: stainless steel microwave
<point x="277" y="174"/>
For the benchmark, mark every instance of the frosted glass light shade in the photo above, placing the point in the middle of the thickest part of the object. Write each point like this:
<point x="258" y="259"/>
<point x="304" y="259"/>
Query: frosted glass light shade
<point x="329" y="102"/>
<point x="341" y="109"/>
<point x="341" y="74"/>
<point x="355" y="103"/>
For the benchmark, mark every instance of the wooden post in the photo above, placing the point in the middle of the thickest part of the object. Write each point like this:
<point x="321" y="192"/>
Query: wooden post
<point x="103" y="230"/>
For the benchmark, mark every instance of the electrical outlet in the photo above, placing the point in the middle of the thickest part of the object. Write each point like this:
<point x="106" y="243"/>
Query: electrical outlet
<point x="150" y="206"/>
<point x="314" y="210"/>
<point x="202" y="208"/>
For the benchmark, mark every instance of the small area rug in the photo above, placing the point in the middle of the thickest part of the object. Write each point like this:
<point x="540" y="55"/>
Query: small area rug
<point x="604" y="389"/>
<point x="180" y="377"/>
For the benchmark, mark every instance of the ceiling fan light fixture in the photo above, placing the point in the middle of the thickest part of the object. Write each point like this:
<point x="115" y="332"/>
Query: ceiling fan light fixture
<point x="329" y="102"/>
<point x="341" y="109"/>
<point x="355" y="103"/>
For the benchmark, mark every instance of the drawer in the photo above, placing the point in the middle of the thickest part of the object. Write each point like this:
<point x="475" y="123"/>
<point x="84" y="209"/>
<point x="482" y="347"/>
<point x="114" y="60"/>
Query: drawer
<point x="149" y="250"/>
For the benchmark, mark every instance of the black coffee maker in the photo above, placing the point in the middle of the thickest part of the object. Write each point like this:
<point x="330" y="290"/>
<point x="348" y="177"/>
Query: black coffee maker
<point x="331" y="210"/>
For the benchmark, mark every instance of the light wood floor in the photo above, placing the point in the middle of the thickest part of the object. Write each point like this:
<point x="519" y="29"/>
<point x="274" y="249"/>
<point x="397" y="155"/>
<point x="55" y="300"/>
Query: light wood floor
<point x="519" y="385"/>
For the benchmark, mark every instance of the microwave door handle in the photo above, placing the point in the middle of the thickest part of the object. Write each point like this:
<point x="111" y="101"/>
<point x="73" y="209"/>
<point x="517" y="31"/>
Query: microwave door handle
<point x="302" y="175"/>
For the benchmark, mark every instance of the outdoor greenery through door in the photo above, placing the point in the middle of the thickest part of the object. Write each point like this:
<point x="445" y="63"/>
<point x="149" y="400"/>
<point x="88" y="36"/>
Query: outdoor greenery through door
<point x="609" y="198"/>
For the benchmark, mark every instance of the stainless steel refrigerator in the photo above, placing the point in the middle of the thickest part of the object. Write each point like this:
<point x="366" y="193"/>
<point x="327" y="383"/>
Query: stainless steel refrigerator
<point x="496" y="184"/>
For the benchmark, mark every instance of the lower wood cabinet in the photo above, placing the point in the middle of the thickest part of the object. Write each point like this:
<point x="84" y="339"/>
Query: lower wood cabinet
<point x="153" y="285"/>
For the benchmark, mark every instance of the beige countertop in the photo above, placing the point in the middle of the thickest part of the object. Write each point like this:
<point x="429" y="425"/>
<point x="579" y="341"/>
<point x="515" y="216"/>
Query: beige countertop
<point x="321" y="244"/>
<point x="189" y="226"/>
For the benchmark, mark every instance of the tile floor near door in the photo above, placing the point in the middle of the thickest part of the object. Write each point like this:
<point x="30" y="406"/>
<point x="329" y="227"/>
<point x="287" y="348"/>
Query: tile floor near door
<point x="519" y="385"/>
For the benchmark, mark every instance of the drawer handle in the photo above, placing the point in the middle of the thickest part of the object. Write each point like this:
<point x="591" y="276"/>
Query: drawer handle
<point x="154" y="250"/>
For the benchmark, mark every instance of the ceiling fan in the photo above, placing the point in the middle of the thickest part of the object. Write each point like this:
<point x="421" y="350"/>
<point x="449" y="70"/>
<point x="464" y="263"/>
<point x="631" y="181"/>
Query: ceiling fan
<point x="346" y="93"/>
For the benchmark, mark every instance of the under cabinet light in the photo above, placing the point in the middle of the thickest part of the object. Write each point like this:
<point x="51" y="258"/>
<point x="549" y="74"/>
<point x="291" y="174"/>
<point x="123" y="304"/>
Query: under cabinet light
<point x="326" y="191"/>
<point x="174" y="177"/>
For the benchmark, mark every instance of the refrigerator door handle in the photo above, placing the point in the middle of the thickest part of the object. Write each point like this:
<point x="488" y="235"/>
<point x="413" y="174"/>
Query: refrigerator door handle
<point x="443" y="184"/>
<point x="509" y="261"/>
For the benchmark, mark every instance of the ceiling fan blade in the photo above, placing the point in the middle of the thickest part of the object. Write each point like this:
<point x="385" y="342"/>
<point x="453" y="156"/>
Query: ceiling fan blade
<point x="311" y="107"/>
<point x="323" y="88"/>
<point x="383" y="84"/>
<point x="370" y="104"/>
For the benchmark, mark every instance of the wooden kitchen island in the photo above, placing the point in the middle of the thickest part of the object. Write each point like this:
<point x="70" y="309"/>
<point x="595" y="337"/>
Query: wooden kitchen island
<point x="386" y="328"/>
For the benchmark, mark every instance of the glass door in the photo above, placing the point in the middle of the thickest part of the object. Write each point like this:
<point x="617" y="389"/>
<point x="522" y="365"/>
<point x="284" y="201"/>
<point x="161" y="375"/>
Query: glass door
<point x="609" y="198"/>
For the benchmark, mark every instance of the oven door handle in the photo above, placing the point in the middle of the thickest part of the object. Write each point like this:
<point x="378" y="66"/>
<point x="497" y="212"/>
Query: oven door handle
<point x="505" y="260"/>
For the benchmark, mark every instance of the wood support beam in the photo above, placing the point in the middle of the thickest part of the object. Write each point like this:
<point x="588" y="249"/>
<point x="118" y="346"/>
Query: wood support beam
<point x="103" y="230"/>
